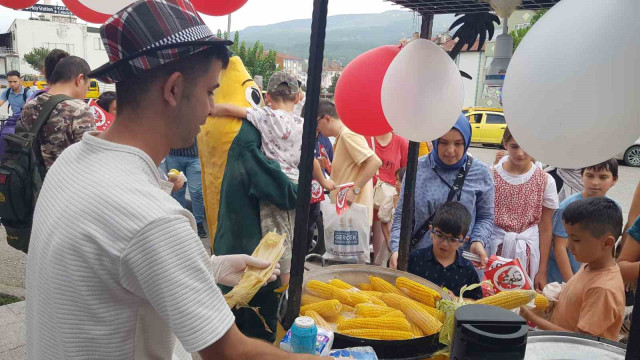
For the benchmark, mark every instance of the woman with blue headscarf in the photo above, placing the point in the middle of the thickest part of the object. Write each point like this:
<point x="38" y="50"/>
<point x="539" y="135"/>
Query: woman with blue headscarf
<point x="436" y="176"/>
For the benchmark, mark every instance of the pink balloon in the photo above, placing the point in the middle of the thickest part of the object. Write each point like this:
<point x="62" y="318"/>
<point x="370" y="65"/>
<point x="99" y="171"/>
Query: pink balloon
<point x="357" y="97"/>
<point x="218" y="7"/>
<point x="86" y="13"/>
<point x="18" y="4"/>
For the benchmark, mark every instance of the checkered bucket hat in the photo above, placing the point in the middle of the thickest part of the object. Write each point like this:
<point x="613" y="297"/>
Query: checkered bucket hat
<point x="151" y="33"/>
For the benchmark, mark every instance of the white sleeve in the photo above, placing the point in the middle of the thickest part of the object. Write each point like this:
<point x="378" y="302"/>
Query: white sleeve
<point x="167" y="265"/>
<point x="257" y="117"/>
<point x="550" y="199"/>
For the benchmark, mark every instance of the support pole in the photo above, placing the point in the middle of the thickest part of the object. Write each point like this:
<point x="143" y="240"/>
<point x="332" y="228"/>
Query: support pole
<point x="406" y="226"/>
<point x="299" y="251"/>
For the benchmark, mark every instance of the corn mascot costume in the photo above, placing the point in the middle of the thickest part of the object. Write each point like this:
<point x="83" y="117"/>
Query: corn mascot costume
<point x="235" y="177"/>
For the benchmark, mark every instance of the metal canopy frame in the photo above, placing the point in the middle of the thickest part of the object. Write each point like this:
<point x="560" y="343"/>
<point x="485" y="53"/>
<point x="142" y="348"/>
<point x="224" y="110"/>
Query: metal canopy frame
<point x="426" y="8"/>
<point x="464" y="6"/>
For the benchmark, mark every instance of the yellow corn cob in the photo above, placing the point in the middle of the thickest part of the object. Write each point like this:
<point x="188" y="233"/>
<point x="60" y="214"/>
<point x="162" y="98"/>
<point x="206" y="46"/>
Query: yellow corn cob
<point x="377" y="301"/>
<point x="358" y="297"/>
<point x="319" y="289"/>
<point x="416" y="330"/>
<point x="541" y="302"/>
<point x="325" y="308"/>
<point x="378" y="334"/>
<point x="376" y="294"/>
<point x="417" y="291"/>
<point x="371" y="310"/>
<point x="398" y="324"/>
<point x="434" y="312"/>
<point x="340" y="284"/>
<point x="509" y="299"/>
<point x="320" y="321"/>
<point x="384" y="286"/>
<point x="419" y="316"/>
<point x="394" y="313"/>
<point x="395" y="301"/>
<point x="365" y="287"/>
<point x="310" y="299"/>
<point x="269" y="249"/>
<point x="341" y="295"/>
<point x="347" y="308"/>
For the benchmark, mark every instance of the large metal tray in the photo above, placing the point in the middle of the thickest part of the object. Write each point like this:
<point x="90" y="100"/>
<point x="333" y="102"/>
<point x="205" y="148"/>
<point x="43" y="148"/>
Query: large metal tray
<point x="418" y="348"/>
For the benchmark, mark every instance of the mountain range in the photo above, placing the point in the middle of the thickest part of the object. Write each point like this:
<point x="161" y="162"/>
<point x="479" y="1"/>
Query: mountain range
<point x="347" y="35"/>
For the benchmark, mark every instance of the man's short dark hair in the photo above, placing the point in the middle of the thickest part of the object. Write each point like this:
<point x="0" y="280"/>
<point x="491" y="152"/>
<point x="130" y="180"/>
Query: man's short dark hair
<point x="131" y="92"/>
<point x="326" y="107"/>
<point x="68" y="69"/>
<point x="13" y="73"/>
<point x="52" y="60"/>
<point x="599" y="216"/>
<point x="610" y="165"/>
<point x="452" y="218"/>
<point x="105" y="99"/>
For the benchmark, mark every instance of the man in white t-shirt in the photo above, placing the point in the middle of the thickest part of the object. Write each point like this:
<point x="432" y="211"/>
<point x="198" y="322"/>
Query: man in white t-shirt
<point x="116" y="269"/>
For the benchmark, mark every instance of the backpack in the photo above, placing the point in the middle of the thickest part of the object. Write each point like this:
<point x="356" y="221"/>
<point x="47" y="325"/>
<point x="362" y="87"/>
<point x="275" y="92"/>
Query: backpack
<point x="22" y="172"/>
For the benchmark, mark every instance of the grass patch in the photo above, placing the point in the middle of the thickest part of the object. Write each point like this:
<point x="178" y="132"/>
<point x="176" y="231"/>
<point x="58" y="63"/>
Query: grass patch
<point x="8" y="299"/>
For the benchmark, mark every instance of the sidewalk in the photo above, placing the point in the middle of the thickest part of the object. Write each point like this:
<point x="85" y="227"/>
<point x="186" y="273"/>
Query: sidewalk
<point x="12" y="330"/>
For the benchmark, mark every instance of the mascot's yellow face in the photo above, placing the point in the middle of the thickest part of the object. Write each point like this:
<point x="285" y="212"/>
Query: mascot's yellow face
<point x="217" y="134"/>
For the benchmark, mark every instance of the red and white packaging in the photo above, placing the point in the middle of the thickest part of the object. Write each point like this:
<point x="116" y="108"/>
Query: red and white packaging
<point x="341" y="199"/>
<point x="505" y="274"/>
<point x="103" y="118"/>
<point x="317" y="192"/>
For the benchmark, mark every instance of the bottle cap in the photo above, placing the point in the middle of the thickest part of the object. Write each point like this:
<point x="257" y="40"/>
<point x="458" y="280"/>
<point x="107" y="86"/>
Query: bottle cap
<point x="304" y="322"/>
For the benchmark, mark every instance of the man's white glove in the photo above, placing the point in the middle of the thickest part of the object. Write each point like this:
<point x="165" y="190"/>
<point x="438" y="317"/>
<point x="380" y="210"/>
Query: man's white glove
<point x="228" y="269"/>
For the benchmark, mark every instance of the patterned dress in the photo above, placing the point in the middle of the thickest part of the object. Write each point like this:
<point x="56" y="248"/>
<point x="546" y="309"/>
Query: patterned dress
<point x="518" y="210"/>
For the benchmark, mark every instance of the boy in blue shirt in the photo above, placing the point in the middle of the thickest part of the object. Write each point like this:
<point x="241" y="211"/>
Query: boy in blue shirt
<point x="597" y="180"/>
<point x="442" y="263"/>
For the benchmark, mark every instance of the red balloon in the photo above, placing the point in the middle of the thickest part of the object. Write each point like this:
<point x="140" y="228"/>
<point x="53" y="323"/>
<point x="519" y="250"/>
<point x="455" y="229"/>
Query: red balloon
<point x="218" y="7"/>
<point x="358" y="91"/>
<point x="18" y="4"/>
<point x="85" y="13"/>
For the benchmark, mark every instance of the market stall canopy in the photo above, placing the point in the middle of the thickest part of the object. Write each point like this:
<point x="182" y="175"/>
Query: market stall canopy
<point x="465" y="6"/>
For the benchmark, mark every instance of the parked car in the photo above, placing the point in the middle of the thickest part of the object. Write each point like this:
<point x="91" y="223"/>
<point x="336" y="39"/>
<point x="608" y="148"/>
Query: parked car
<point x="4" y="83"/>
<point x="631" y="156"/>
<point x="487" y="124"/>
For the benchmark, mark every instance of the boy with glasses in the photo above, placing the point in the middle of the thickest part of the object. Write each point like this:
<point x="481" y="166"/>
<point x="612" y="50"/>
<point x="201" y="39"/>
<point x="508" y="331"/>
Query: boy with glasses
<point x="442" y="263"/>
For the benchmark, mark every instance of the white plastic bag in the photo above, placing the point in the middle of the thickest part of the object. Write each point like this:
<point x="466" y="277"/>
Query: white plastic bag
<point x="346" y="237"/>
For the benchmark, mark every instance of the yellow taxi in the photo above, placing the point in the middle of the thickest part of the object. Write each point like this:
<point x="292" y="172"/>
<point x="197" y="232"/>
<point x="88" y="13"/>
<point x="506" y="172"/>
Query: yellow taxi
<point x="94" y="90"/>
<point x="487" y="124"/>
<point x="38" y="81"/>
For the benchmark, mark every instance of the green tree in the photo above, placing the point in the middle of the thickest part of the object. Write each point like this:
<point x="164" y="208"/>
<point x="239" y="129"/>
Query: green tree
<point x="519" y="34"/>
<point x="334" y="81"/>
<point x="256" y="59"/>
<point x="35" y="58"/>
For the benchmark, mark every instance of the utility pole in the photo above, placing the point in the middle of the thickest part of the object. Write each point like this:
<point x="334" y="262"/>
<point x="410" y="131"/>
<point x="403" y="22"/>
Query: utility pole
<point x="229" y="25"/>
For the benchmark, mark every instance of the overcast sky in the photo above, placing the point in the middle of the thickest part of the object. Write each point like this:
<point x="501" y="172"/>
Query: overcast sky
<point x="255" y="12"/>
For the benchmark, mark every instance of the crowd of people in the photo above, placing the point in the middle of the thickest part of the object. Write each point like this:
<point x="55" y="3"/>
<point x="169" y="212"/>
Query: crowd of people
<point x="126" y="284"/>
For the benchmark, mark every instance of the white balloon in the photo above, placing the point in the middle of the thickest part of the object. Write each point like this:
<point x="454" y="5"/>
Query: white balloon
<point x="106" y="7"/>
<point x="422" y="92"/>
<point x="572" y="91"/>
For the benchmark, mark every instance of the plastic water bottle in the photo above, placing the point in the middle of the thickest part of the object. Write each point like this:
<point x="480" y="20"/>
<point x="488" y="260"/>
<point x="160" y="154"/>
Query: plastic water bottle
<point x="303" y="336"/>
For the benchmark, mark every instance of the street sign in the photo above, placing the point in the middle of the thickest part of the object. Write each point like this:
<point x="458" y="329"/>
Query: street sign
<point x="49" y="9"/>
